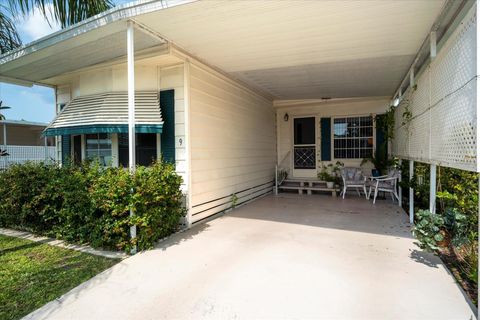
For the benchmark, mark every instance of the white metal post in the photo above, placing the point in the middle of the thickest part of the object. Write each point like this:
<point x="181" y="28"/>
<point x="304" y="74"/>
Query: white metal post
<point x="188" y="153"/>
<point x="276" y="180"/>
<point x="5" y="144"/>
<point x="45" y="148"/>
<point x="131" y="112"/>
<point x="399" y="181"/>
<point x="433" y="187"/>
<point x="410" y="192"/>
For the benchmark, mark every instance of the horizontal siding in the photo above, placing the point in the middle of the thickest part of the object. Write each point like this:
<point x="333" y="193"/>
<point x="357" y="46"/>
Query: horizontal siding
<point x="232" y="143"/>
<point x="172" y="78"/>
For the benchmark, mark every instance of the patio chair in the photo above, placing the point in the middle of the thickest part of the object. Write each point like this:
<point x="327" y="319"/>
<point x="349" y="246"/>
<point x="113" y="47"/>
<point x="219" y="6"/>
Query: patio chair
<point x="353" y="178"/>
<point x="387" y="183"/>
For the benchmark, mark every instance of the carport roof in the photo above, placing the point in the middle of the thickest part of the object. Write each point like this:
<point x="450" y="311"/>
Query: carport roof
<point x="289" y="49"/>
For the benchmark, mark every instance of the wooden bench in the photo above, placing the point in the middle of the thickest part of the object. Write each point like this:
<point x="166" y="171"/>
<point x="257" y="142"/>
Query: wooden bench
<point x="307" y="185"/>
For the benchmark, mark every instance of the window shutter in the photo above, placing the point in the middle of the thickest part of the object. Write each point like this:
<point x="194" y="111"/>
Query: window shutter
<point x="167" y="106"/>
<point x="381" y="145"/>
<point x="66" y="147"/>
<point x="326" y="138"/>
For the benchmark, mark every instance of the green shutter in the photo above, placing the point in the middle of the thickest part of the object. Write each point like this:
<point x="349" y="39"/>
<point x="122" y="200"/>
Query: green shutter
<point x="381" y="145"/>
<point x="326" y="139"/>
<point x="167" y="106"/>
<point x="66" y="147"/>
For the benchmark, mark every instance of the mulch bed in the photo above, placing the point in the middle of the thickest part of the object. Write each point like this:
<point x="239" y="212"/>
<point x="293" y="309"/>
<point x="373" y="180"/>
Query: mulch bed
<point x="454" y="263"/>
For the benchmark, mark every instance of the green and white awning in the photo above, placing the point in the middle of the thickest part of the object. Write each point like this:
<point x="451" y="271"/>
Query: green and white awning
<point x="108" y="113"/>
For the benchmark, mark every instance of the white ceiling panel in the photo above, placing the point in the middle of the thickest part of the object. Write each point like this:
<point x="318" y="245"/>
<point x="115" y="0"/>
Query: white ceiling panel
<point x="290" y="49"/>
<point x="262" y="41"/>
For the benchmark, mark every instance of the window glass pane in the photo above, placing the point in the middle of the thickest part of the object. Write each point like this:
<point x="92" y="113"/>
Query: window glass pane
<point x="353" y="137"/>
<point x="304" y="130"/>
<point x="145" y="148"/>
<point x="98" y="146"/>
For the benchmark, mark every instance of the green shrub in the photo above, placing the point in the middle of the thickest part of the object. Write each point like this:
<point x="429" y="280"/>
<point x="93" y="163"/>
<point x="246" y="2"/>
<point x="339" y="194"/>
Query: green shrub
<point x="90" y="204"/>
<point x="428" y="230"/>
<point x="157" y="203"/>
<point x="456" y="224"/>
<point x="27" y="200"/>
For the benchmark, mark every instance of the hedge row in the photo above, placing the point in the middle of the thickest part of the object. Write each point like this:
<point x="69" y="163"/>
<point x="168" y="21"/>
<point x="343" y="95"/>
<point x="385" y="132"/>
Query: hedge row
<point x="90" y="204"/>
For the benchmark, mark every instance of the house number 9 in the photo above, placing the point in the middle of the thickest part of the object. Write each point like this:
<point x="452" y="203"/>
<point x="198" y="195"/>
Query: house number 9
<point x="180" y="141"/>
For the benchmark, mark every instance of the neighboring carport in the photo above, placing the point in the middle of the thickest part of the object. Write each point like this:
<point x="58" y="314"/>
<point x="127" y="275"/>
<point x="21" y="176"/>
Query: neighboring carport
<point x="287" y="257"/>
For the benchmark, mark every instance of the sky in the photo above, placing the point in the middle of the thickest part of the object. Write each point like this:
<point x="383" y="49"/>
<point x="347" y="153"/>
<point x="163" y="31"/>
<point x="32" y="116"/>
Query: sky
<point x="36" y="103"/>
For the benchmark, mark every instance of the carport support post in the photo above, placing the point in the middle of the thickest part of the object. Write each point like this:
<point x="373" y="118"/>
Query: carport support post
<point x="45" y="148"/>
<point x="433" y="187"/>
<point x="4" y="144"/>
<point x="410" y="191"/>
<point x="131" y="114"/>
<point x="399" y="187"/>
<point x="276" y="180"/>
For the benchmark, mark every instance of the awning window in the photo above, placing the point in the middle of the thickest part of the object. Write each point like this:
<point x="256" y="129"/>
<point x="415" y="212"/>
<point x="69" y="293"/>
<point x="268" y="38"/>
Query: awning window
<point x="107" y="113"/>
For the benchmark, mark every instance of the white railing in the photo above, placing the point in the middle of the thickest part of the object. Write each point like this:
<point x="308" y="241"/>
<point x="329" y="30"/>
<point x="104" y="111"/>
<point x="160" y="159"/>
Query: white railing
<point x="22" y="154"/>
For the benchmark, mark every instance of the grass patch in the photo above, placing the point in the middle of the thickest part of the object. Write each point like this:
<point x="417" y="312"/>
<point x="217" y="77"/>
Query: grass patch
<point x="34" y="273"/>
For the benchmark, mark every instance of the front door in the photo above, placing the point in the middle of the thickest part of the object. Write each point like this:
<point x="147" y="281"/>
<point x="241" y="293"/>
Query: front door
<point x="304" y="147"/>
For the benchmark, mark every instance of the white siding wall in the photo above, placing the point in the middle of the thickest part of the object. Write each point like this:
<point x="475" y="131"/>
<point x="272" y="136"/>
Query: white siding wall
<point x="151" y="78"/>
<point x="324" y="109"/>
<point x="232" y="142"/>
<point x="172" y="78"/>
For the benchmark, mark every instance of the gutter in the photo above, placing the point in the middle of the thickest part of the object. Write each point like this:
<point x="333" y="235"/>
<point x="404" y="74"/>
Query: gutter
<point x="115" y="14"/>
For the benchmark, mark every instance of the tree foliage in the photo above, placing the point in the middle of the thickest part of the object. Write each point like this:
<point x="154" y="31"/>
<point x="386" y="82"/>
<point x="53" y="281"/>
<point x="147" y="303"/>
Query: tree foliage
<point x="65" y="12"/>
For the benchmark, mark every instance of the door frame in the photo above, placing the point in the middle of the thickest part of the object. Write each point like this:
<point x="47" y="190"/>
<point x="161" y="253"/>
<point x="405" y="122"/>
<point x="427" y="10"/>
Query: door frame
<point x="304" y="173"/>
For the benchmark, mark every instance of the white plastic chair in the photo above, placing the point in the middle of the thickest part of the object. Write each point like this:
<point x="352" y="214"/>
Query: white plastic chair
<point x="387" y="183"/>
<point x="353" y="178"/>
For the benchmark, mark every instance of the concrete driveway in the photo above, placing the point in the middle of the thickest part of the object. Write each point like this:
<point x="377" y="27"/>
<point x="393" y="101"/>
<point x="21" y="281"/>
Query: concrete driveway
<point x="286" y="257"/>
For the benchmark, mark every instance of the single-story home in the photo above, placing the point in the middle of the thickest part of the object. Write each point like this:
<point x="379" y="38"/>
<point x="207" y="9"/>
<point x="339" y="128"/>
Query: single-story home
<point x="24" y="141"/>
<point x="228" y="90"/>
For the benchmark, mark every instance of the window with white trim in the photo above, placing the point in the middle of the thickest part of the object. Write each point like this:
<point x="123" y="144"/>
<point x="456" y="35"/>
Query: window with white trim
<point x="98" y="146"/>
<point x="353" y="137"/>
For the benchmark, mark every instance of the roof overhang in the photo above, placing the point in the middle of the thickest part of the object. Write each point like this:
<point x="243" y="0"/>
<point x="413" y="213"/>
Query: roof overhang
<point x="288" y="49"/>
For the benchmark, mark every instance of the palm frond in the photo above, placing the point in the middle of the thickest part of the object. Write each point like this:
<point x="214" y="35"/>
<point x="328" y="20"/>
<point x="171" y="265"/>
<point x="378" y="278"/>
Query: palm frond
<point x="9" y="38"/>
<point x="2" y="107"/>
<point x="65" y="12"/>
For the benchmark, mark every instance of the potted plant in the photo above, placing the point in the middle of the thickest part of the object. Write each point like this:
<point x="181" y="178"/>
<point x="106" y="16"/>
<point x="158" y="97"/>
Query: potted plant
<point x="381" y="162"/>
<point x="330" y="174"/>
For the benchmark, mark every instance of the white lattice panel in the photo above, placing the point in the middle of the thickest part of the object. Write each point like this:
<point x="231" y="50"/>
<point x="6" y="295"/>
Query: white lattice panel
<point x="401" y="109"/>
<point x="454" y="65"/>
<point x="419" y="139"/>
<point x="400" y="144"/>
<point x="454" y="129"/>
<point x="421" y="96"/>
<point x="443" y="129"/>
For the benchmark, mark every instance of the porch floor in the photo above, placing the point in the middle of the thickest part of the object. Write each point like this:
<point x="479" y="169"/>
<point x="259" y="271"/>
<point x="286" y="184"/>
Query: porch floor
<point x="289" y="257"/>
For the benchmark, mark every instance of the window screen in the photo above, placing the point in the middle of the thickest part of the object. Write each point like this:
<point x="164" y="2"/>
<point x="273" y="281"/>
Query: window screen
<point x="353" y="137"/>
<point x="99" y="147"/>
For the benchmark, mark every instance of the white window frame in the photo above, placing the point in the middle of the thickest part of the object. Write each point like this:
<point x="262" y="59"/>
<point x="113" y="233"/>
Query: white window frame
<point x="111" y="147"/>
<point x="332" y="134"/>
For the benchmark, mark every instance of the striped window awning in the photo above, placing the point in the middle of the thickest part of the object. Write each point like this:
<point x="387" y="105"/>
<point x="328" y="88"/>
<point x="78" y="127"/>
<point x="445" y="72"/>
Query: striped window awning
<point x="107" y="113"/>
